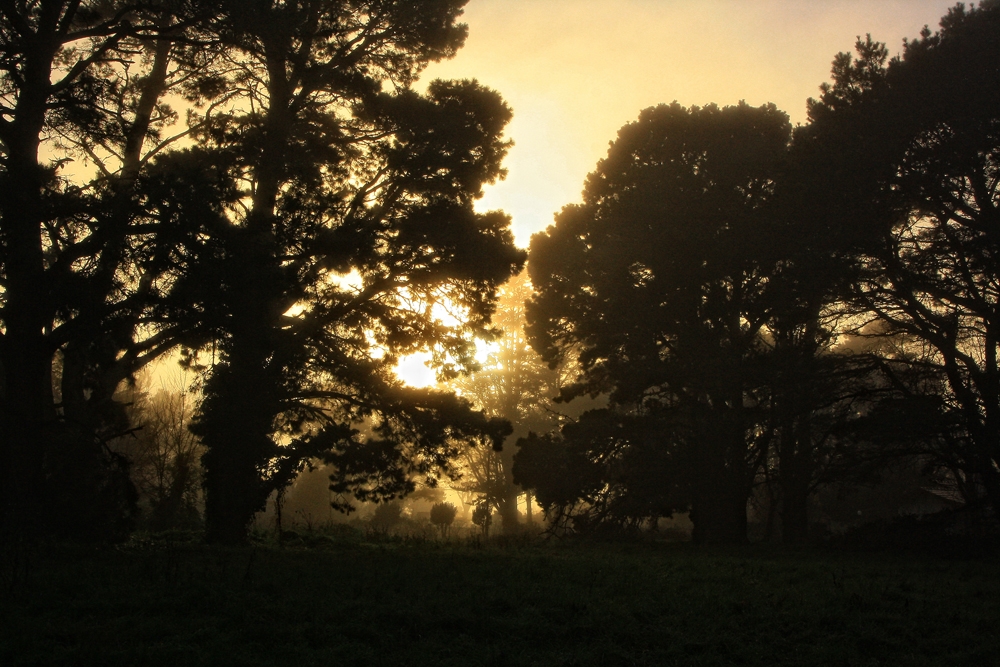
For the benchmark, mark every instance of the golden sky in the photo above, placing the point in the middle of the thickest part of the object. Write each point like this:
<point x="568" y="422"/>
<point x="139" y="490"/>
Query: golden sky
<point x="575" y="71"/>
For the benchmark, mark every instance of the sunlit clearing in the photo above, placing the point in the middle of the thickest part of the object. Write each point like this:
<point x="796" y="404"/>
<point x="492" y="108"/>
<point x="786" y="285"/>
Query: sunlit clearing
<point x="413" y="370"/>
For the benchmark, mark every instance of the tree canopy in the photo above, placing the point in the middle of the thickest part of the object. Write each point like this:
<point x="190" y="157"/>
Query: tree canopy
<point x="716" y="261"/>
<point x="929" y="255"/>
<point x="260" y="188"/>
<point x="656" y="289"/>
<point x="297" y="229"/>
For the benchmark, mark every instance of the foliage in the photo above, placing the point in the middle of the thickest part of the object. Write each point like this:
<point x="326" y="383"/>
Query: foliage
<point x="925" y="142"/>
<point x="713" y="273"/>
<point x="442" y="516"/>
<point x="84" y="83"/>
<point x="656" y="290"/>
<point x="318" y="210"/>
<point x="311" y="220"/>
<point x="387" y="514"/>
<point x="347" y="171"/>
<point x="482" y="516"/>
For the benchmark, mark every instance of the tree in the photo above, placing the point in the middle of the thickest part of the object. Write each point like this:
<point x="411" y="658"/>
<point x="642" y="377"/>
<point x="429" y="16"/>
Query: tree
<point x="512" y="384"/>
<point x="442" y="516"/>
<point x="482" y="516"/>
<point x="354" y="219"/>
<point x="612" y="470"/>
<point x="84" y="82"/>
<point x="817" y="385"/>
<point x="163" y="455"/>
<point x="928" y="179"/>
<point x="387" y="514"/>
<point x="312" y="161"/>
<point x="657" y="287"/>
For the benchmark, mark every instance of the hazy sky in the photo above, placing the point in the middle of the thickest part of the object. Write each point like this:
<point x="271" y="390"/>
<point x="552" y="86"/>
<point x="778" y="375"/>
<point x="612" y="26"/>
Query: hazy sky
<point x="575" y="71"/>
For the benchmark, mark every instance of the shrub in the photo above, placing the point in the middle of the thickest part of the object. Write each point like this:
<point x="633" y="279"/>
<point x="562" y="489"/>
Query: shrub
<point x="388" y="515"/>
<point x="482" y="516"/>
<point x="442" y="516"/>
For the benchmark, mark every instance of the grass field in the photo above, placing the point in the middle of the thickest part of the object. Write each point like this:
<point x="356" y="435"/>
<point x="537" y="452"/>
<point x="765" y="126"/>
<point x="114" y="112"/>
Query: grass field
<point x="390" y="602"/>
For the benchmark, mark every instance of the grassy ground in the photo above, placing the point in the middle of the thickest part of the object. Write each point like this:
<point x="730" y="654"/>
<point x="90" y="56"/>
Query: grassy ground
<point x="363" y="602"/>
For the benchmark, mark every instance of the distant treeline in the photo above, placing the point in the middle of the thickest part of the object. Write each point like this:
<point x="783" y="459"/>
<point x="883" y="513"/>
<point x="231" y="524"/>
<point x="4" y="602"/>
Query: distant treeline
<point x="256" y="187"/>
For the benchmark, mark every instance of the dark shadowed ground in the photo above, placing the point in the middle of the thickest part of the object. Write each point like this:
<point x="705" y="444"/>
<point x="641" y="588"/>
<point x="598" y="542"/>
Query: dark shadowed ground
<point x="358" y="601"/>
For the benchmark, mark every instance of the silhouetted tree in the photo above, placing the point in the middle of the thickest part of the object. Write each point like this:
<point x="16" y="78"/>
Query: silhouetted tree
<point x="442" y="516"/>
<point x="355" y="219"/>
<point x="815" y="384"/>
<point x="482" y="516"/>
<point x="164" y="456"/>
<point x="656" y="286"/>
<point x="920" y="135"/>
<point x="612" y="470"/>
<point x="312" y="159"/>
<point x="84" y="82"/>
<point x="387" y="514"/>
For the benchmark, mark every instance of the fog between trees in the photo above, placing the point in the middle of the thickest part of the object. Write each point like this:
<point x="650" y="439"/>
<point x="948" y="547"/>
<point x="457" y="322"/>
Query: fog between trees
<point x="758" y="314"/>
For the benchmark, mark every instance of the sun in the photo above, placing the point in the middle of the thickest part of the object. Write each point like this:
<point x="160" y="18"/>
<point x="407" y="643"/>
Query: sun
<point x="414" y="371"/>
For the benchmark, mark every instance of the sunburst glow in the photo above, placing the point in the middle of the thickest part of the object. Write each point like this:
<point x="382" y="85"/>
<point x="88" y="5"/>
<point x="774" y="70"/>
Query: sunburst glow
<point x="414" y="371"/>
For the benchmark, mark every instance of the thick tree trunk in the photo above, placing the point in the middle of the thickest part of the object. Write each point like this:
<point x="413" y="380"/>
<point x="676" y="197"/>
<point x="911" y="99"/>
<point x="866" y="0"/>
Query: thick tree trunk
<point x="28" y="414"/>
<point x="719" y="517"/>
<point x="719" y="508"/>
<point x="509" y="516"/>
<point x="237" y="419"/>
<point x="990" y="480"/>
<point x="721" y="487"/>
<point x="242" y="394"/>
<point x="794" y="517"/>
<point x="795" y="473"/>
<point x="235" y="427"/>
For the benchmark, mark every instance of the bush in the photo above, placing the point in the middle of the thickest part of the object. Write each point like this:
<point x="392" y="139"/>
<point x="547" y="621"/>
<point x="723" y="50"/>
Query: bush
<point x="482" y="516"/>
<point x="387" y="515"/>
<point x="951" y="533"/>
<point x="442" y="516"/>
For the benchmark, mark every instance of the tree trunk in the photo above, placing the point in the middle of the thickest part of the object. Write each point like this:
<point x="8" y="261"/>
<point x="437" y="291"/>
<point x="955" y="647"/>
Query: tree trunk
<point x="242" y="395"/>
<point x="721" y="484"/>
<point x="719" y="510"/>
<point x="795" y="472"/>
<point x="795" y="478"/>
<point x="509" y="516"/>
<point x="719" y="517"/>
<point x="29" y="419"/>
<point x="235" y="426"/>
